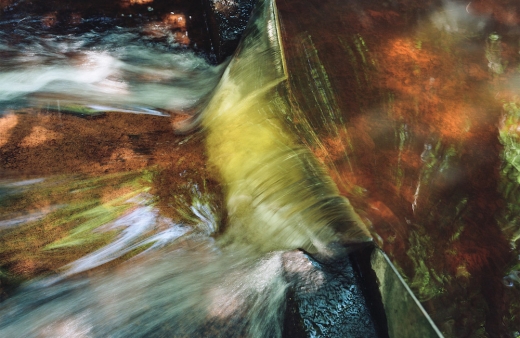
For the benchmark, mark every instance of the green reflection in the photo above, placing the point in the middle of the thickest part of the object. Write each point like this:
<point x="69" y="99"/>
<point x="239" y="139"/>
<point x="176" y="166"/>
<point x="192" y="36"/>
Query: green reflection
<point x="278" y="195"/>
<point x="494" y="54"/>
<point x="511" y="169"/>
<point x="58" y="218"/>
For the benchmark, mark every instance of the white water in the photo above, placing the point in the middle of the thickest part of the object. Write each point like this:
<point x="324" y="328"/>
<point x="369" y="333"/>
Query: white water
<point x="115" y="69"/>
<point x="187" y="283"/>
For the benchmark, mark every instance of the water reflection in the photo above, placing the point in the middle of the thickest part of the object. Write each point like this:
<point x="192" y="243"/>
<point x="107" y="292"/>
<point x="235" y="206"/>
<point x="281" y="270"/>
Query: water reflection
<point x="131" y="271"/>
<point x="412" y="107"/>
<point x="417" y="92"/>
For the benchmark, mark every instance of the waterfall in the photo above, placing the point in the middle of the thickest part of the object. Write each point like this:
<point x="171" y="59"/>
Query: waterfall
<point x="273" y="262"/>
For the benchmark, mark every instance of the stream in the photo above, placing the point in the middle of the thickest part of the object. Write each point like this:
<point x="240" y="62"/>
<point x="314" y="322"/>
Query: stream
<point x="346" y="155"/>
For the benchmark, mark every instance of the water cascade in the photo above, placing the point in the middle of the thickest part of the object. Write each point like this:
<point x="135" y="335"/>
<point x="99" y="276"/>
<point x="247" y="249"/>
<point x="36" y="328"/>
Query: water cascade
<point x="182" y="282"/>
<point x="349" y="170"/>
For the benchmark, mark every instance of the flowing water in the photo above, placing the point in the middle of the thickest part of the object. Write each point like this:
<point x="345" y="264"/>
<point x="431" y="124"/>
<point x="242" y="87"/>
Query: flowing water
<point x="192" y="274"/>
<point x="146" y="191"/>
<point x="412" y="108"/>
<point x="117" y="69"/>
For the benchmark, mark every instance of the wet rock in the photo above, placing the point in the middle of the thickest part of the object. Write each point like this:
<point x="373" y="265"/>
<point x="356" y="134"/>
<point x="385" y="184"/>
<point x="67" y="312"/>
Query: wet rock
<point x="227" y="20"/>
<point x="182" y="23"/>
<point x="328" y="300"/>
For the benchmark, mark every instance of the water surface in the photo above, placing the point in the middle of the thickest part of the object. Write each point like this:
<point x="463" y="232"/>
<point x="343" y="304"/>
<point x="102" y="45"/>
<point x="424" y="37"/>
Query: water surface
<point x="411" y="108"/>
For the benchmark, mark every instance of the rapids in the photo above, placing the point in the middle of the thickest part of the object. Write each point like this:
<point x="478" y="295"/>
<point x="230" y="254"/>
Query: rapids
<point x="147" y="191"/>
<point x="231" y="272"/>
<point x="115" y="68"/>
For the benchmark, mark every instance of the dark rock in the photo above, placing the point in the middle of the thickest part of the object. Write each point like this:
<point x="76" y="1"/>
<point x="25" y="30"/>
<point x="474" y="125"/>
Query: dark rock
<point x="227" y="20"/>
<point x="331" y="300"/>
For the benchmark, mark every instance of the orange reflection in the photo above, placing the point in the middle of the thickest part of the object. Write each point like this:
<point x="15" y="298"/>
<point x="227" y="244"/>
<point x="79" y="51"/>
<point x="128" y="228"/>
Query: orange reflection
<point x="7" y="123"/>
<point x="49" y="20"/>
<point x="39" y="136"/>
<point x="45" y="144"/>
<point x="5" y="3"/>
<point x="504" y="11"/>
<point x="175" y="21"/>
<point x="51" y="143"/>
<point x="427" y="83"/>
<point x="174" y="25"/>
<point x="225" y="7"/>
<point x="127" y="3"/>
